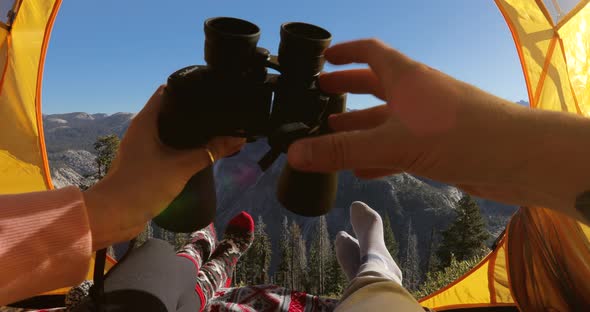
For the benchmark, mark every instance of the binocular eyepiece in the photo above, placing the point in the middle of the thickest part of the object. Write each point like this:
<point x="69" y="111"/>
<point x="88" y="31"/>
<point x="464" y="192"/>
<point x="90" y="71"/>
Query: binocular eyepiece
<point x="234" y="95"/>
<point x="302" y="46"/>
<point x="230" y="42"/>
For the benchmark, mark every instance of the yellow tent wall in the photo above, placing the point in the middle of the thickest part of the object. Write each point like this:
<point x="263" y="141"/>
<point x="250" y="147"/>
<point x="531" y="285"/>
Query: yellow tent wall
<point x="553" y="54"/>
<point x="23" y="163"/>
<point x="23" y="159"/>
<point x="543" y="261"/>
<point x="486" y="285"/>
<point x="549" y="253"/>
<point x="555" y="58"/>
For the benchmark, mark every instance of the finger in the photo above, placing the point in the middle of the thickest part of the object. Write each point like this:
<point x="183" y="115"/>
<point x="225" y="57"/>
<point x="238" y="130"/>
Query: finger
<point x="359" y="81"/>
<point x="342" y="150"/>
<point x="224" y="146"/>
<point x="216" y="149"/>
<point x="374" y="173"/>
<point x="385" y="61"/>
<point x="360" y="120"/>
<point x="198" y="159"/>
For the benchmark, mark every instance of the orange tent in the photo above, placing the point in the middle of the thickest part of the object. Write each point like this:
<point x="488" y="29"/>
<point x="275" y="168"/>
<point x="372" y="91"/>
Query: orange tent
<point x="23" y="44"/>
<point x="543" y="260"/>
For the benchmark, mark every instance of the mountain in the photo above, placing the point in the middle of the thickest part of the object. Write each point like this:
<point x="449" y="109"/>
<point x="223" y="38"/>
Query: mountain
<point x="243" y="186"/>
<point x="78" y="131"/>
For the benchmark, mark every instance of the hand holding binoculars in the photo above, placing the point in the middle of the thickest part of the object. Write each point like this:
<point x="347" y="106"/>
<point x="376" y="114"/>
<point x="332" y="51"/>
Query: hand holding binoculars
<point x="234" y="95"/>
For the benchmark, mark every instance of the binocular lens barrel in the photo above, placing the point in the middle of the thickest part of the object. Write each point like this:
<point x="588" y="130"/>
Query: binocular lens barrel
<point x="301" y="51"/>
<point x="230" y="42"/>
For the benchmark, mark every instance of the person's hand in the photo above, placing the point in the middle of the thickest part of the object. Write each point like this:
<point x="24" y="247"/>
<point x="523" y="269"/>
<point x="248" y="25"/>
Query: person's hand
<point x="144" y="178"/>
<point x="437" y="127"/>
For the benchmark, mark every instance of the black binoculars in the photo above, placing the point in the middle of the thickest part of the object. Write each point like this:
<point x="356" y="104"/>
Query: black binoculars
<point x="234" y="95"/>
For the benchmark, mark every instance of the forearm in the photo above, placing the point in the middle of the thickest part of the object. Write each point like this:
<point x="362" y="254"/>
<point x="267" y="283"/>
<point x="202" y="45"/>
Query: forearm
<point x="109" y="210"/>
<point x="45" y="242"/>
<point x="518" y="155"/>
<point x="559" y="167"/>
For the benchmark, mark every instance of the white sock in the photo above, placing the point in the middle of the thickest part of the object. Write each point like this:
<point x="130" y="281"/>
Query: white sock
<point x="368" y="227"/>
<point x="348" y="254"/>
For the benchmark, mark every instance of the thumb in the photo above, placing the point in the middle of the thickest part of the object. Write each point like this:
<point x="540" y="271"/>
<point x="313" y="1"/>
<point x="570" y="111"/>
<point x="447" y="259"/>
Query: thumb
<point x="342" y="150"/>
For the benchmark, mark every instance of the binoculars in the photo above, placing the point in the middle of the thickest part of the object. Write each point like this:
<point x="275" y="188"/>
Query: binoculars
<point x="235" y="95"/>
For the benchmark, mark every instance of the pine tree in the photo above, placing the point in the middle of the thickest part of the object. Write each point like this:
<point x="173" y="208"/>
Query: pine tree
<point x="263" y="252"/>
<point x="466" y="236"/>
<point x="411" y="261"/>
<point x="433" y="262"/>
<point x="298" y="257"/>
<point x="285" y="267"/>
<point x="336" y="280"/>
<point x="389" y="237"/>
<point x="320" y="255"/>
<point x="106" y="148"/>
<point x="253" y="266"/>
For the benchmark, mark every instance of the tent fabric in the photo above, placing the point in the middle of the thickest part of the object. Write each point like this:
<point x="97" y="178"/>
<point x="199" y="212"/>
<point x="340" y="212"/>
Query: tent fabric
<point x="543" y="260"/>
<point x="558" y="9"/>
<point x="23" y="160"/>
<point x="552" y="38"/>
<point x="549" y="253"/>
<point x="486" y="285"/>
<point x="23" y="164"/>
<point x="554" y="56"/>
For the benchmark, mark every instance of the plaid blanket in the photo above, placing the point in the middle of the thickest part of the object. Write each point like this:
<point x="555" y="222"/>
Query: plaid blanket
<point x="262" y="298"/>
<point x="267" y="298"/>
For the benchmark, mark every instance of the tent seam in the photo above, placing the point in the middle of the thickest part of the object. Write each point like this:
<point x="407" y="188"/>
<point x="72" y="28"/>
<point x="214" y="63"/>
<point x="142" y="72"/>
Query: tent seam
<point x="572" y="13"/>
<point x="8" y="41"/>
<point x="39" y="114"/>
<point x="578" y="110"/>
<point x="546" y="65"/>
<point x="545" y="12"/>
<point x="491" y="279"/>
<point x="516" y="40"/>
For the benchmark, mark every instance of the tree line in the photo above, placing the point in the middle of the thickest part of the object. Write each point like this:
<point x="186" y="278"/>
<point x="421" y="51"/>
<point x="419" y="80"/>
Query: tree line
<point x="316" y="271"/>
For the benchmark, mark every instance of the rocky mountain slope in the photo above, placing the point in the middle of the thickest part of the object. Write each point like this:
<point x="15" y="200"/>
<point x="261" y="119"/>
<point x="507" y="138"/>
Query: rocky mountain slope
<point x="241" y="185"/>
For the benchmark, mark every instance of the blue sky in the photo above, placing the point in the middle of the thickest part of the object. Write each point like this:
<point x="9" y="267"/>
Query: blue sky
<point x="109" y="56"/>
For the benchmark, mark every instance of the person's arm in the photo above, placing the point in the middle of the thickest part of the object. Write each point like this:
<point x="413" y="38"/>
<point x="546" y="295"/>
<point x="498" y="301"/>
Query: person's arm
<point x="46" y="238"/>
<point x="435" y="126"/>
<point x="45" y="242"/>
<point x="551" y="167"/>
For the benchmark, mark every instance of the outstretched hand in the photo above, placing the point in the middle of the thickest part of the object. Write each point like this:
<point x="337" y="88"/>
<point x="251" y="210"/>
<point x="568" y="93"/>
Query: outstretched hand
<point x="435" y="126"/>
<point x="426" y="126"/>
<point x="144" y="177"/>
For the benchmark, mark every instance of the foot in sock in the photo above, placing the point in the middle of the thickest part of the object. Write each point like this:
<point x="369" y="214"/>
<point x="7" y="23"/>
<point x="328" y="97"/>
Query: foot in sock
<point x="238" y="237"/>
<point x="368" y="227"/>
<point x="201" y="245"/>
<point x="348" y="254"/>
